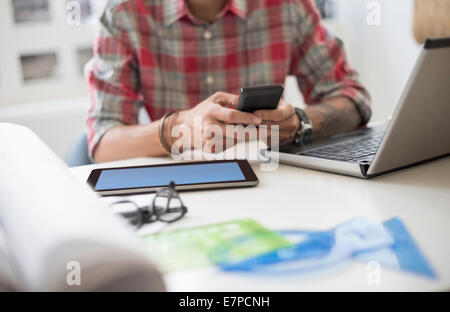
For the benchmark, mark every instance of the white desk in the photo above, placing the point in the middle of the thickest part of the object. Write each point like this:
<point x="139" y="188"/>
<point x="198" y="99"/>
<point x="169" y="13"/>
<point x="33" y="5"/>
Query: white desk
<point x="295" y="198"/>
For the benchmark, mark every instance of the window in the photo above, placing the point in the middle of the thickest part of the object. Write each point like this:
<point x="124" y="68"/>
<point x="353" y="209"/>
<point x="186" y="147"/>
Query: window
<point x="39" y="66"/>
<point x="327" y="8"/>
<point x="30" y="11"/>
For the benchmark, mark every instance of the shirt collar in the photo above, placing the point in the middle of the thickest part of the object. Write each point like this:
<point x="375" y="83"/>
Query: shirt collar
<point x="177" y="9"/>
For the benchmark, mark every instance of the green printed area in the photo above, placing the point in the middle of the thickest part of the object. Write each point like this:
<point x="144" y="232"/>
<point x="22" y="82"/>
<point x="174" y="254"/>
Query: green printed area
<point x="206" y="245"/>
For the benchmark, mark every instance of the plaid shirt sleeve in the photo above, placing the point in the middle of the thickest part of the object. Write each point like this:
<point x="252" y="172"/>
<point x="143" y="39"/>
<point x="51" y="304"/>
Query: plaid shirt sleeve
<point x="320" y="64"/>
<point x="113" y="79"/>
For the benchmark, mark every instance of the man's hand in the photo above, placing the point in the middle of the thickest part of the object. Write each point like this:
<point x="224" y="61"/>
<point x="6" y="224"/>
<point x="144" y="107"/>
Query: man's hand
<point x="216" y="112"/>
<point x="284" y="116"/>
<point x="331" y="117"/>
<point x="127" y="141"/>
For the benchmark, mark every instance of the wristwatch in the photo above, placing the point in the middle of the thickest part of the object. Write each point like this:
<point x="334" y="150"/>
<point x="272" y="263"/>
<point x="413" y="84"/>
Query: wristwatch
<point x="304" y="134"/>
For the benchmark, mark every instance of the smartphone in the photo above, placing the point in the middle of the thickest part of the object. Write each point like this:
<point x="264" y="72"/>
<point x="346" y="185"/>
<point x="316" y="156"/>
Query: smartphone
<point x="261" y="97"/>
<point x="186" y="175"/>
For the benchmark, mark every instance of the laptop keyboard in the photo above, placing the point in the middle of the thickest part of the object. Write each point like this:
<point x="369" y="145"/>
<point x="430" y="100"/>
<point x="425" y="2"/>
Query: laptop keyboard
<point x="356" y="150"/>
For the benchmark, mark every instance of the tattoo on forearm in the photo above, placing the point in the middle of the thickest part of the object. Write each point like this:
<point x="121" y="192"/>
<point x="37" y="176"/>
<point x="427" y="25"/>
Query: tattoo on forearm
<point x="334" y="116"/>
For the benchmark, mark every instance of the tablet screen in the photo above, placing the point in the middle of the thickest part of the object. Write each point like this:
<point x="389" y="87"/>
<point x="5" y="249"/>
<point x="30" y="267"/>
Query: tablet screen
<point x="129" y="178"/>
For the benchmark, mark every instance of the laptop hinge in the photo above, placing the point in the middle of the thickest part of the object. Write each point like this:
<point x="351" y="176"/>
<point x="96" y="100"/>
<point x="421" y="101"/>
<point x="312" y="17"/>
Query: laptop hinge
<point x="364" y="168"/>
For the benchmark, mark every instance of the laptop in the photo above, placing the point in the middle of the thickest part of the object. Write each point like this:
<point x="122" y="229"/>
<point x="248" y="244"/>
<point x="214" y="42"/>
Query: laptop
<point x="419" y="130"/>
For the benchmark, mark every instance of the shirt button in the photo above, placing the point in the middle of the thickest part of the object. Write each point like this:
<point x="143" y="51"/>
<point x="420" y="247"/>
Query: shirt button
<point x="207" y="35"/>
<point x="210" y="80"/>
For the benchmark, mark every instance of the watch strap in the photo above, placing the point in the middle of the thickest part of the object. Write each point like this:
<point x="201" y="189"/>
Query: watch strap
<point x="304" y="134"/>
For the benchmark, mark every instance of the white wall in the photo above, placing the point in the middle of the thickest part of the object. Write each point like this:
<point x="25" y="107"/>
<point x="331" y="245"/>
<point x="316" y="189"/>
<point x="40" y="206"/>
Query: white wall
<point x="57" y="122"/>
<point x="384" y="55"/>
<point x="54" y="36"/>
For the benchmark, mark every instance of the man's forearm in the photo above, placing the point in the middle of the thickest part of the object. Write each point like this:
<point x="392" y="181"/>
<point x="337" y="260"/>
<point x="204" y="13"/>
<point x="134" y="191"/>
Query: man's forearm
<point x="124" y="142"/>
<point x="333" y="116"/>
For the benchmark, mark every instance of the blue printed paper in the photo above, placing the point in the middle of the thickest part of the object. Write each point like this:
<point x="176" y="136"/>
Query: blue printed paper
<point x="388" y="243"/>
<point x="403" y="254"/>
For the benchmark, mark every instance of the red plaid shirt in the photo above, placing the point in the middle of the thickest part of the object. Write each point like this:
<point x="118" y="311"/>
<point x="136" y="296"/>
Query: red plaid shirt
<point x="155" y="54"/>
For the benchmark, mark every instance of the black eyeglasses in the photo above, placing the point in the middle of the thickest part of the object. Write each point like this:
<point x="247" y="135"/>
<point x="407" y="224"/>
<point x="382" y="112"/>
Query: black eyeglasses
<point x="166" y="206"/>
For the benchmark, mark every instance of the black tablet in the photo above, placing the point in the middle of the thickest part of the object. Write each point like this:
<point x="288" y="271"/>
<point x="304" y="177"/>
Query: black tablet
<point x="186" y="175"/>
<point x="261" y="97"/>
